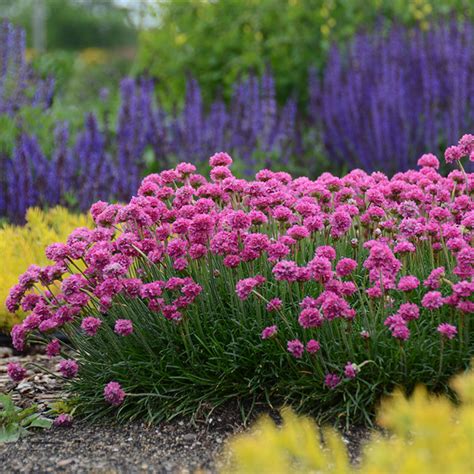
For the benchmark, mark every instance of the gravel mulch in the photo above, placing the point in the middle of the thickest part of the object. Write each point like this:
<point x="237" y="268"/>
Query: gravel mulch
<point x="173" y="447"/>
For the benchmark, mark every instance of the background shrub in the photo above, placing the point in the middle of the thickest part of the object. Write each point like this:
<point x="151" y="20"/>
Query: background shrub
<point x="222" y="40"/>
<point x="383" y="100"/>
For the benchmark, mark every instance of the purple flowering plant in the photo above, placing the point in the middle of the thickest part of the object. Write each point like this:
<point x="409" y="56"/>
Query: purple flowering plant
<point x="380" y="102"/>
<point x="324" y="294"/>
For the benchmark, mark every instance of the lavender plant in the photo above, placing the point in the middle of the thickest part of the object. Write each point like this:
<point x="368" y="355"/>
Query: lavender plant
<point x="381" y="102"/>
<point x="388" y="98"/>
<point x="19" y="85"/>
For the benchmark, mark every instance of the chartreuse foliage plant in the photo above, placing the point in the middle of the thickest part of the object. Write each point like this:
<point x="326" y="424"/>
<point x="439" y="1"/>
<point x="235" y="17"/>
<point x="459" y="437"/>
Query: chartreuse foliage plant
<point x="21" y="246"/>
<point x="427" y="434"/>
<point x="322" y="294"/>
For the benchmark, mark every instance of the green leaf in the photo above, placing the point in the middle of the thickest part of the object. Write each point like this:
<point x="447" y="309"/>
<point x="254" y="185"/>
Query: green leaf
<point x="41" y="422"/>
<point x="9" y="410"/>
<point x="10" y="433"/>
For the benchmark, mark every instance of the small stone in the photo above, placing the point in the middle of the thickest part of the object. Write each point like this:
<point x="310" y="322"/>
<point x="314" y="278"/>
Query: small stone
<point x="189" y="437"/>
<point x="5" y="352"/>
<point x="64" y="462"/>
<point x="24" y="387"/>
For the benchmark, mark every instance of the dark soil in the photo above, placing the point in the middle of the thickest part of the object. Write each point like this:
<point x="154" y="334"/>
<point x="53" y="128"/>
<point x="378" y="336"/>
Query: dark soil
<point x="177" y="446"/>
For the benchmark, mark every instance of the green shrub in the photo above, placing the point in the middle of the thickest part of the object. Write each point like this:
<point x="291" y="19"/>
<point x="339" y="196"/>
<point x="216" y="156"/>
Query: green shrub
<point x="218" y="41"/>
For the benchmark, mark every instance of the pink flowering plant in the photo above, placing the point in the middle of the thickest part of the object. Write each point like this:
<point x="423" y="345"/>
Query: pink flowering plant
<point x="322" y="294"/>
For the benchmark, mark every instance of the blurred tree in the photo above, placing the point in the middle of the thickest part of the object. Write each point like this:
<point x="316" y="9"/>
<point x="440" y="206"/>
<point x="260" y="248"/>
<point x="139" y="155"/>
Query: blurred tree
<point x="73" y="24"/>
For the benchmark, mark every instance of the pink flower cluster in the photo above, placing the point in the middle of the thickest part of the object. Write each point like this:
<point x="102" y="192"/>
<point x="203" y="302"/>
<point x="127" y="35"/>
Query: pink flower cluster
<point x="308" y="253"/>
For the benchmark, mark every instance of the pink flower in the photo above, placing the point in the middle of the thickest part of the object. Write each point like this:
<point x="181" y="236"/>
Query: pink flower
<point x="64" y="420"/>
<point x="453" y="153"/>
<point x="341" y="222"/>
<point x="68" y="368"/>
<point x="232" y="261"/>
<point x="320" y="268"/>
<point x="326" y="251"/>
<point x="351" y="370"/>
<point x="345" y="267"/>
<point x="220" y="159"/>
<point x="312" y="346"/>
<point x="332" y="381"/>
<point x="429" y="160"/>
<point x="244" y="287"/>
<point x="286" y="270"/>
<point x="274" y="304"/>
<point x="269" y="332"/>
<point x="409" y="311"/>
<point x="53" y="348"/>
<point x="408" y="283"/>
<point x="295" y="348"/>
<point x="91" y="325"/>
<point x="310" y="318"/>
<point x="15" y="371"/>
<point x="113" y="394"/>
<point x="298" y="232"/>
<point x="447" y="330"/>
<point x="219" y="173"/>
<point x="432" y="300"/>
<point x="335" y="307"/>
<point x="433" y="280"/>
<point x="466" y="144"/>
<point x="123" y="327"/>
<point x="238" y="220"/>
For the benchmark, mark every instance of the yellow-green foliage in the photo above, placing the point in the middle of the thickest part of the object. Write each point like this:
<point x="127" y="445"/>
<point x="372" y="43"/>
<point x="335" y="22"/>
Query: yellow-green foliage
<point x="428" y="435"/>
<point x="21" y="246"/>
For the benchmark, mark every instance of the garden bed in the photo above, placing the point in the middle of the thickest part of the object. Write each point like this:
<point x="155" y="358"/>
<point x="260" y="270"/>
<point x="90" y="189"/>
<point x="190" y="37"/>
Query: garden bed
<point x="176" y="446"/>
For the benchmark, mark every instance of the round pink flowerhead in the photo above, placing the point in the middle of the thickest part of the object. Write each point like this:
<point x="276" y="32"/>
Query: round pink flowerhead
<point x="345" y="267"/>
<point x="453" y="153"/>
<point x="432" y="300"/>
<point x="113" y="394"/>
<point x="429" y="161"/>
<point x="408" y="283"/>
<point x="312" y="346"/>
<point x="220" y="159"/>
<point x="53" y="348"/>
<point x="351" y="370"/>
<point x="447" y="330"/>
<point x="295" y="348"/>
<point x="68" y="368"/>
<point x="123" y="327"/>
<point x="15" y="371"/>
<point x="91" y="325"/>
<point x="269" y="332"/>
<point x="64" y="420"/>
<point x="274" y="304"/>
<point x="326" y="251"/>
<point x="332" y="380"/>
